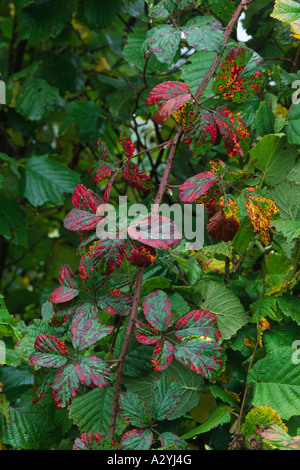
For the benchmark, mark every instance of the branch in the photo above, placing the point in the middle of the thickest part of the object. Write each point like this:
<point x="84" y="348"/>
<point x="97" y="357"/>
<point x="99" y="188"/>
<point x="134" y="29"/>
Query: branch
<point x="227" y="32"/>
<point x="122" y="357"/>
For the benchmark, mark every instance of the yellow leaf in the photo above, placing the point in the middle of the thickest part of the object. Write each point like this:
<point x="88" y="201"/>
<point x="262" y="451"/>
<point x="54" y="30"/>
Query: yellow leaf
<point x="101" y="64"/>
<point x="200" y="413"/>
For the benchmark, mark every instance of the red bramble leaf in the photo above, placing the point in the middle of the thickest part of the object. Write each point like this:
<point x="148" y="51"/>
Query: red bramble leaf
<point x="93" y="371"/>
<point x="196" y="186"/>
<point x="197" y="323"/>
<point x="127" y="144"/>
<point x="101" y="171"/>
<point x="235" y="134"/>
<point x="85" y="199"/>
<point x="166" y="98"/>
<point x="156" y="231"/>
<point x="200" y="131"/>
<point x="77" y="220"/>
<point x="136" y="178"/>
<point x="241" y="75"/>
<point x="139" y="255"/>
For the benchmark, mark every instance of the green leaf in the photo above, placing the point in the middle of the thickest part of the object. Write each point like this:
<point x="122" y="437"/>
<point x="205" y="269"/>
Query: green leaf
<point x="193" y="72"/>
<point x="12" y="222"/>
<point x="43" y="20"/>
<point x="223" y="303"/>
<point x="165" y="398"/>
<point x="220" y="414"/>
<point x="274" y="158"/>
<point x="203" y="33"/>
<point x="264" y="307"/>
<point x="265" y="119"/>
<point x="287" y="198"/>
<point x="276" y="382"/>
<point x="35" y="99"/>
<point x="62" y="72"/>
<point x="293" y="127"/>
<point x="91" y="411"/>
<point x="134" y="410"/>
<point x="100" y="14"/>
<point x="286" y="11"/>
<point x="46" y="181"/>
<point x="163" y="41"/>
<point x="289" y="306"/>
<point x="289" y="228"/>
<point x="86" y="116"/>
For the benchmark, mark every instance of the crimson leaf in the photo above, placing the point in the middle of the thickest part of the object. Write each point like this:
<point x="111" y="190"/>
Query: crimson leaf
<point x="196" y="186"/>
<point x="166" y="98"/>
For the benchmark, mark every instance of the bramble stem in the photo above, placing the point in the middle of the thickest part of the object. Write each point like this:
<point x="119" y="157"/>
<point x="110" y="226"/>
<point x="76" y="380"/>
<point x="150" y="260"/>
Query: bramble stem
<point x="122" y="357"/>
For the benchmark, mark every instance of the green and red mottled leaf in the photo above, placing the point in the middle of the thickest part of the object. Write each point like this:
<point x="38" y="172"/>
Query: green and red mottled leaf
<point x="126" y="143"/>
<point x="156" y="231"/>
<point x="200" y="130"/>
<point x="103" y="151"/>
<point x="163" y="9"/>
<point x="136" y="178"/>
<point x="137" y="439"/>
<point x="62" y="314"/>
<point x="63" y="294"/>
<point x="67" y="278"/>
<point x="77" y="220"/>
<point x="90" y="441"/>
<point x="134" y="410"/>
<point x="165" y="397"/>
<point x="87" y="331"/>
<point x="108" y="188"/>
<point x="201" y="354"/>
<point x="65" y="386"/>
<point x="235" y="134"/>
<point x="197" y="323"/>
<point x="115" y="302"/>
<point x="139" y="255"/>
<point x="42" y="381"/>
<point x="50" y="352"/>
<point x="196" y="186"/>
<point x="85" y="199"/>
<point x="261" y="211"/>
<point x="162" y="41"/>
<point x="169" y="439"/>
<point x="93" y="371"/>
<point x="147" y="334"/>
<point x="163" y="355"/>
<point x="241" y="75"/>
<point x="157" y="310"/>
<point x="228" y="173"/>
<point x="50" y="344"/>
<point x="108" y="255"/>
<point x="166" y="98"/>
<point x="101" y="171"/>
<point x="204" y="33"/>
